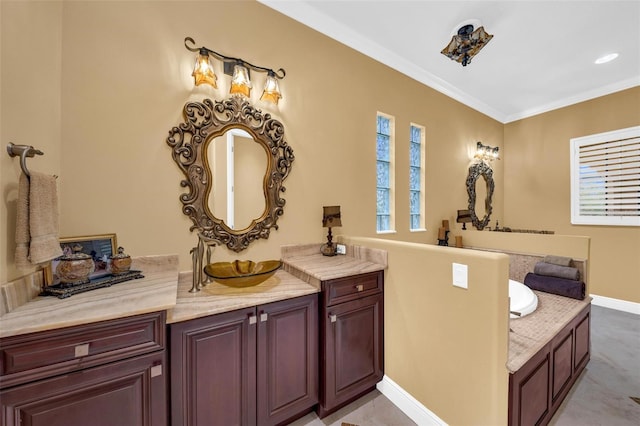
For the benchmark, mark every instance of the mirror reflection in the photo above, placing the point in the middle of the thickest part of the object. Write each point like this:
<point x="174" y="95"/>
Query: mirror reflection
<point x="480" y="193"/>
<point x="238" y="165"/>
<point x="481" y="197"/>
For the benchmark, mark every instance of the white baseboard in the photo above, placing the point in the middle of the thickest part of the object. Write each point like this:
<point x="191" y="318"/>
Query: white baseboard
<point x="410" y="406"/>
<point x="617" y="304"/>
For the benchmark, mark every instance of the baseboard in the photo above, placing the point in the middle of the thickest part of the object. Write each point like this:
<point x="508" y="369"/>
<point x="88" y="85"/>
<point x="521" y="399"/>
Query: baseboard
<point x="617" y="304"/>
<point x="410" y="406"/>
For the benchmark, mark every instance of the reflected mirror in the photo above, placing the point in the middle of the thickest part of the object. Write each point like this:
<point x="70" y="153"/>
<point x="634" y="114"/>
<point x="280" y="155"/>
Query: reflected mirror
<point x="238" y="166"/>
<point x="481" y="197"/>
<point x="480" y="193"/>
<point x="261" y="161"/>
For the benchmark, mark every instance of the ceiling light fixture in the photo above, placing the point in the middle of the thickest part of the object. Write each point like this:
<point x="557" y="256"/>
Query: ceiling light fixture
<point x="606" y="58"/>
<point x="238" y="68"/>
<point x="466" y="43"/>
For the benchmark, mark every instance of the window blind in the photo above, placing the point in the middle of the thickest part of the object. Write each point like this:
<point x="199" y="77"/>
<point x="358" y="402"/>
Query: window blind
<point x="606" y="177"/>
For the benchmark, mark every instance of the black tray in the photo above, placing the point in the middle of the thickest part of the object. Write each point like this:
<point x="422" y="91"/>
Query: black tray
<point x="62" y="291"/>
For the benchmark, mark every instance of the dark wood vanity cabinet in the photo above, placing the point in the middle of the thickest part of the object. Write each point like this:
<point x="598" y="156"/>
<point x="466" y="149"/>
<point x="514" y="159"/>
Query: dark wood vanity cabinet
<point x="101" y="374"/>
<point x="253" y="366"/>
<point x="351" y="338"/>
<point x="537" y="390"/>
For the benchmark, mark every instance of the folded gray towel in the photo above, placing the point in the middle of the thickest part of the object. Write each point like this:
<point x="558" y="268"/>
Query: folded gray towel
<point x="551" y="270"/>
<point x="557" y="260"/>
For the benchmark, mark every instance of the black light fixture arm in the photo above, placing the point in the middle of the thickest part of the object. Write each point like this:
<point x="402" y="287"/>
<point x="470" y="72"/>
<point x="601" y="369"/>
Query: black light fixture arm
<point x="280" y="74"/>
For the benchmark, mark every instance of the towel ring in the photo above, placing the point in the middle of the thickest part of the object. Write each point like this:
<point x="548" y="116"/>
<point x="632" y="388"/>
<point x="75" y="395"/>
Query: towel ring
<point x="23" y="151"/>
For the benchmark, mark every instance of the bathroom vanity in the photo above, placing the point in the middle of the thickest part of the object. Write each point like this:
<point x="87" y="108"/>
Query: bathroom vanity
<point x="256" y="365"/>
<point x="105" y="373"/>
<point x="97" y="358"/>
<point x="149" y="352"/>
<point x="352" y="339"/>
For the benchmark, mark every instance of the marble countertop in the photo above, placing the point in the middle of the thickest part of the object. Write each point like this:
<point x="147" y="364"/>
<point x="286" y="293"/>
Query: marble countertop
<point x="530" y="333"/>
<point x="217" y="298"/>
<point x="306" y="262"/>
<point x="164" y="288"/>
<point x="155" y="292"/>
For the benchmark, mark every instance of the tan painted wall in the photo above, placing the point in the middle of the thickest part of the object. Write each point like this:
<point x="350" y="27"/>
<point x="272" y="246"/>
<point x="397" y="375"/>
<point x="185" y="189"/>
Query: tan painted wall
<point x="30" y="112"/>
<point x="444" y="345"/>
<point x="537" y="186"/>
<point x="126" y="75"/>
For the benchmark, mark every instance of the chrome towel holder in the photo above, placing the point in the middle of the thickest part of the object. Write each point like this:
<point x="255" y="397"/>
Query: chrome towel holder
<point x="23" y="151"/>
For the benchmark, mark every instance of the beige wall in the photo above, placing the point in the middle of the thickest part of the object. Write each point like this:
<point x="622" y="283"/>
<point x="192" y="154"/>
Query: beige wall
<point x="445" y="345"/>
<point x="537" y="186"/>
<point x="126" y="75"/>
<point x="30" y="113"/>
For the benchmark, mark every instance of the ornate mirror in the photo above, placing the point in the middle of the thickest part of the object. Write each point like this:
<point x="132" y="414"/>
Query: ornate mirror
<point x="484" y="189"/>
<point x="234" y="159"/>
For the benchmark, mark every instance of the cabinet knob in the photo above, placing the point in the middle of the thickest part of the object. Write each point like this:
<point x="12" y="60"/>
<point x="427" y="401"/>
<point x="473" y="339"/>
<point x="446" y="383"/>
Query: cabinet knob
<point x="359" y="287"/>
<point x="333" y="317"/>
<point x="263" y="317"/>
<point x="252" y="319"/>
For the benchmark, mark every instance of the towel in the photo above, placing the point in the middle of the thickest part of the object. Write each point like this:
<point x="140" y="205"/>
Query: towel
<point x="37" y="220"/>
<point x="551" y="270"/>
<point x="554" y="285"/>
<point x="558" y="260"/>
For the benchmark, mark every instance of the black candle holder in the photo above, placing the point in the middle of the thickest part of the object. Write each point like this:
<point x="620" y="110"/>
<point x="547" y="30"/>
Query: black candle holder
<point x="445" y="241"/>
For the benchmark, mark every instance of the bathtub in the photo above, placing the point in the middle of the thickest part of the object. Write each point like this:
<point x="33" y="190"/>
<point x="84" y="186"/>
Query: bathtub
<point x="521" y="299"/>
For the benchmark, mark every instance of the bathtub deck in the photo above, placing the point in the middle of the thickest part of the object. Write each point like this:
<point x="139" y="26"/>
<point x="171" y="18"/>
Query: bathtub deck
<point x="532" y="332"/>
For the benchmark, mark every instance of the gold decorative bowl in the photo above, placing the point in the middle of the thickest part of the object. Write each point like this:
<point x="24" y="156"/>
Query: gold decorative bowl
<point x="242" y="273"/>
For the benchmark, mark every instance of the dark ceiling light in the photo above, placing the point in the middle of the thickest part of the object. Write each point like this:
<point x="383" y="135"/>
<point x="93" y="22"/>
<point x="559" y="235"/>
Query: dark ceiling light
<point x="466" y="44"/>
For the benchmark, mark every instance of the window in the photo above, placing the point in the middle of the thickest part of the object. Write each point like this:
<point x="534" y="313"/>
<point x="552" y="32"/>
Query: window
<point x="384" y="173"/>
<point x="605" y="178"/>
<point x="416" y="177"/>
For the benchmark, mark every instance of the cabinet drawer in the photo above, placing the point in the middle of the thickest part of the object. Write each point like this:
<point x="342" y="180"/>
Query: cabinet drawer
<point x="36" y="355"/>
<point x="350" y="288"/>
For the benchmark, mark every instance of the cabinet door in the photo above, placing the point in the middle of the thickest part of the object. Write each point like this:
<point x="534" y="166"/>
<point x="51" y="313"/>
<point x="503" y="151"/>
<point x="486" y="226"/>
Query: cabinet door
<point x="213" y="370"/>
<point x="123" y="393"/>
<point x="353" y="350"/>
<point x="287" y="359"/>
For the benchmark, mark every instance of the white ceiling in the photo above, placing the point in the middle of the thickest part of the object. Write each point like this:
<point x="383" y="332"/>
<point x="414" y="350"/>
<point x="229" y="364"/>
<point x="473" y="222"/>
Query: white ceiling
<point x="540" y="58"/>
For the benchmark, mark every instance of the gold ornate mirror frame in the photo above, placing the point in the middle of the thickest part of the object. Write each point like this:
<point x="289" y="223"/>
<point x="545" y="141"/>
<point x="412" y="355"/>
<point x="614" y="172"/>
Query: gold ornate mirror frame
<point x="189" y="140"/>
<point x="475" y="172"/>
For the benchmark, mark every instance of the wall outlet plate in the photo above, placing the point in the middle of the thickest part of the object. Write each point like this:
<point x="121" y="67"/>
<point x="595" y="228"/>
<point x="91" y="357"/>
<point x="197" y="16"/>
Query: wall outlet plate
<point x="341" y="249"/>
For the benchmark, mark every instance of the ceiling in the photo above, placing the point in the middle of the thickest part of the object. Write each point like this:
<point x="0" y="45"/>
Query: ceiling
<point x="540" y="58"/>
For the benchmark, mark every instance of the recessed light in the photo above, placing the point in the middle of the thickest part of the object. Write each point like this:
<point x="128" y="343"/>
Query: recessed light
<point x="606" y="58"/>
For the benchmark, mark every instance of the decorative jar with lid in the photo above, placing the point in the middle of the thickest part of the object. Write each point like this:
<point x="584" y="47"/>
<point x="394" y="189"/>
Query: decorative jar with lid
<point x="75" y="268"/>
<point x="120" y="263"/>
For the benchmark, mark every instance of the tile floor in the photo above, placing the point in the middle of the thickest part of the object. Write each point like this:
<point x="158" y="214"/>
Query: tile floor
<point x="600" y="397"/>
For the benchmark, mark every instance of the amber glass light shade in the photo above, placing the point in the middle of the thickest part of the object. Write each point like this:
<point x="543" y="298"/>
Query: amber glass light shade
<point x="271" y="91"/>
<point x="203" y="71"/>
<point x="240" y="83"/>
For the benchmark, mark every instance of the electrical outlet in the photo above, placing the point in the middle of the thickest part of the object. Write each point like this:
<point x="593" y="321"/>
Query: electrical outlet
<point x="341" y="249"/>
<point x="460" y="276"/>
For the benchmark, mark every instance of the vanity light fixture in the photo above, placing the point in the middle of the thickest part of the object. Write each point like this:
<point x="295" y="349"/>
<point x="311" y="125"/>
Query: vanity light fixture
<point x="486" y="153"/>
<point x="330" y="218"/>
<point x="238" y="68"/>
<point x="467" y="42"/>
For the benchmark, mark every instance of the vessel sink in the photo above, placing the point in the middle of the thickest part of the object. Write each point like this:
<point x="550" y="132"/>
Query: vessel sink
<point x="242" y="273"/>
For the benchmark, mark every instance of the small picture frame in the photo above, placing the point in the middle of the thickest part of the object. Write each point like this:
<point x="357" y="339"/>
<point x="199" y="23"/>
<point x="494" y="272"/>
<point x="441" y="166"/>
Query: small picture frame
<point x="99" y="247"/>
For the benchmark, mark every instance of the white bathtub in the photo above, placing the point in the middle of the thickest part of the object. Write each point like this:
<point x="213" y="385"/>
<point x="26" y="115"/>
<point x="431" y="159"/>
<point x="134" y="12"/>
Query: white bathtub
<point x="521" y="299"/>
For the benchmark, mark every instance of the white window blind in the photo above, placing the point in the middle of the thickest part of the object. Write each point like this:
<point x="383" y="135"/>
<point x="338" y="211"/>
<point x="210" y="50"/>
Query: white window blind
<point x="605" y="178"/>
